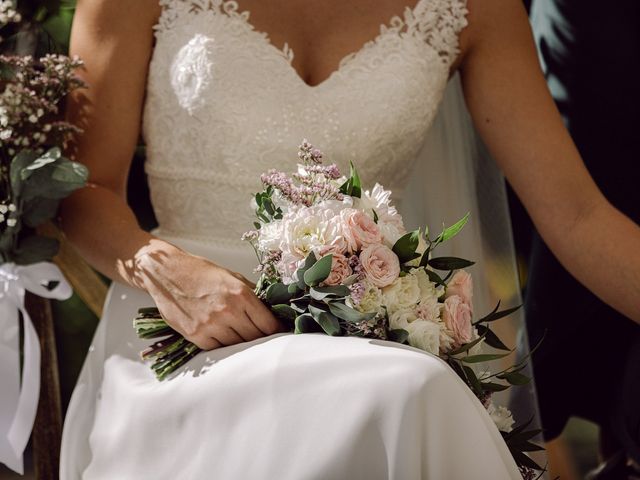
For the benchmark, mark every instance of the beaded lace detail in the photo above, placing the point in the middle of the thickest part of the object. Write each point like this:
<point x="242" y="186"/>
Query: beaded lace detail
<point x="224" y="104"/>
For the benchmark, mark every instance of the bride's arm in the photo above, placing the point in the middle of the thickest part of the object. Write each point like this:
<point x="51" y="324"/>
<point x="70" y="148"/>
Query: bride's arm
<point x="512" y="109"/>
<point x="206" y="303"/>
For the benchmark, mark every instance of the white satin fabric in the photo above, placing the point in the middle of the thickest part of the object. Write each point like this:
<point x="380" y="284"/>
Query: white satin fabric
<point x="284" y="407"/>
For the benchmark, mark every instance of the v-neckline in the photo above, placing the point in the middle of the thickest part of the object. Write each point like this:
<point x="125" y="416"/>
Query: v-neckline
<point x="287" y="53"/>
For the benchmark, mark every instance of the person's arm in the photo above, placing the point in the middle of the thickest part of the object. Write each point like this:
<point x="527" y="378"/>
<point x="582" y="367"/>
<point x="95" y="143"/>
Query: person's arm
<point x="513" y="110"/>
<point x="208" y="304"/>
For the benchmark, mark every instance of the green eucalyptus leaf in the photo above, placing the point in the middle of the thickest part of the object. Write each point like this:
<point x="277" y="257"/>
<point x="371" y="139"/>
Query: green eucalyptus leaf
<point x="449" y="263"/>
<point x="19" y="163"/>
<point x="38" y="210"/>
<point x="305" y="324"/>
<point x="473" y="380"/>
<point x="284" y="312"/>
<point x="349" y="314"/>
<point x="35" y="249"/>
<point x="329" y="323"/>
<point x="318" y="272"/>
<point x="277" y="293"/>
<point x="398" y="335"/>
<point x="320" y="293"/>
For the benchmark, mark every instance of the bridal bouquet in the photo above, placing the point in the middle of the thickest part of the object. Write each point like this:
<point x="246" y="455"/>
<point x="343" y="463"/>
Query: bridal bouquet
<point x="337" y="259"/>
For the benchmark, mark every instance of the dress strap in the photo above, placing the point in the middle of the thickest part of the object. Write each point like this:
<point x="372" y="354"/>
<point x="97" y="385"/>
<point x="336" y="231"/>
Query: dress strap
<point x="439" y="23"/>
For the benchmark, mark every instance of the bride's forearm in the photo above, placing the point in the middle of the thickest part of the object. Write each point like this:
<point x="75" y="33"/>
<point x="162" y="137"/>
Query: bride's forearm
<point x="601" y="250"/>
<point x="106" y="233"/>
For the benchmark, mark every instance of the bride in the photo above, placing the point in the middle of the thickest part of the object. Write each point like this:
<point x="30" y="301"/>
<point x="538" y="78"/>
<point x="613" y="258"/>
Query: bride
<point x="220" y="97"/>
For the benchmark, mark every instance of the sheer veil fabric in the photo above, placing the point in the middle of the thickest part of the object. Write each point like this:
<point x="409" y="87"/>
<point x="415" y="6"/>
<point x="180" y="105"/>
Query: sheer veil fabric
<point x="454" y="174"/>
<point x="224" y="105"/>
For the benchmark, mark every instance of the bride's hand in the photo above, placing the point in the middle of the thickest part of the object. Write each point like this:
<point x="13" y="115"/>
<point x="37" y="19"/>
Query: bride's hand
<point x="207" y="304"/>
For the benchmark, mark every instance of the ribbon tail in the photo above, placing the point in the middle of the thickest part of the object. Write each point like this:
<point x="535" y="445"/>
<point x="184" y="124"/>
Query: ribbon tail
<point x="9" y="373"/>
<point x="25" y="415"/>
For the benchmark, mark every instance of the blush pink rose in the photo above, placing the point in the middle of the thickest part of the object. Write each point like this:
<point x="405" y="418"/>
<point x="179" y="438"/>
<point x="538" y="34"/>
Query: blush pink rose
<point x="380" y="265"/>
<point x="457" y="318"/>
<point x="340" y="270"/>
<point x="359" y="230"/>
<point x="461" y="285"/>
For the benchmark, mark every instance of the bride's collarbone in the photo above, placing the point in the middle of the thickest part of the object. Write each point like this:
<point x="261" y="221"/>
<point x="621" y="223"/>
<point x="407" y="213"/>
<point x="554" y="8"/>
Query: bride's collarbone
<point x="321" y="35"/>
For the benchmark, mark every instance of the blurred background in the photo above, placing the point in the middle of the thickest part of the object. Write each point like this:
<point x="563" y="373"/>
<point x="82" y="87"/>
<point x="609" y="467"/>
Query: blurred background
<point x="75" y="323"/>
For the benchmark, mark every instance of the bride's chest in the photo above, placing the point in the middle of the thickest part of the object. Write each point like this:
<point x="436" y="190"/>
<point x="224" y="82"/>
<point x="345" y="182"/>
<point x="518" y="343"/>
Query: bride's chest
<point x="226" y="94"/>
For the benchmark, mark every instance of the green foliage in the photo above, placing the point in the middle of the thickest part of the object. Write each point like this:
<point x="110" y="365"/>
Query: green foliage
<point x="38" y="183"/>
<point x="406" y="246"/>
<point x="353" y="185"/>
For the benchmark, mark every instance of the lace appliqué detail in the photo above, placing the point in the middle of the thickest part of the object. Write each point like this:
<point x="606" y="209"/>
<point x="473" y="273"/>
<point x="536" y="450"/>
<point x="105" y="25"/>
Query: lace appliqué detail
<point x="224" y="104"/>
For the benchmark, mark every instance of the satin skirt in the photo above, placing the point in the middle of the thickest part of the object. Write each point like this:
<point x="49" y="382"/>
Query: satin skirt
<point x="286" y="407"/>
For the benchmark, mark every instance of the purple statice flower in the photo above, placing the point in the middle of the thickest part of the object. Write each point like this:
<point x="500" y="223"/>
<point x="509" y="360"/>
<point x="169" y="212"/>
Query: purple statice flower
<point x="309" y="154"/>
<point x="329" y="171"/>
<point x="356" y="266"/>
<point x="358" y="290"/>
<point x="284" y="184"/>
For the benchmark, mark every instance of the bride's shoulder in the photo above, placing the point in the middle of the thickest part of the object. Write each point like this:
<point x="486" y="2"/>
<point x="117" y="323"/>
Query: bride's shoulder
<point x="490" y="21"/>
<point x="119" y="15"/>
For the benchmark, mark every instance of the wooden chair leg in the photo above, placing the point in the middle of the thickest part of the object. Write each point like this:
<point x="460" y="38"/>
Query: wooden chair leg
<point x="47" y="430"/>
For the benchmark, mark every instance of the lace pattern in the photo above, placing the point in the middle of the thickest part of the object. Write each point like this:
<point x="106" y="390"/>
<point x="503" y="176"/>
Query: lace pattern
<point x="224" y="104"/>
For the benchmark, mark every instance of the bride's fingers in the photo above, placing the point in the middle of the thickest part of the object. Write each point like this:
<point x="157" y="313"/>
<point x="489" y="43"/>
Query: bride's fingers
<point x="206" y="343"/>
<point x="246" y="328"/>
<point x="225" y="334"/>
<point x="262" y="317"/>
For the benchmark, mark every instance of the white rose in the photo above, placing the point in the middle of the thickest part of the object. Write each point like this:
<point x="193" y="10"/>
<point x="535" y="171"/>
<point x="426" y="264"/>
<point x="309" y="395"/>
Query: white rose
<point x="428" y="289"/>
<point x="502" y="417"/>
<point x="424" y="335"/>
<point x="402" y="294"/>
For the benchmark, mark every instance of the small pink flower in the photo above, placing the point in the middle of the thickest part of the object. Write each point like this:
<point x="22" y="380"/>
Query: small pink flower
<point x="457" y="318"/>
<point x="340" y="270"/>
<point x="380" y="264"/>
<point x="461" y="285"/>
<point x="359" y="229"/>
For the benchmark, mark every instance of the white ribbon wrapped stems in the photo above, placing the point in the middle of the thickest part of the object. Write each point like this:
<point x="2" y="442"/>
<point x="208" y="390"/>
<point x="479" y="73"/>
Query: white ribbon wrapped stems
<point x="19" y="397"/>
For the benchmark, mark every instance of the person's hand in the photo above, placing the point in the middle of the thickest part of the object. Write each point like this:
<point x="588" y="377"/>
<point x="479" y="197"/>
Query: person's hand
<point x="207" y="304"/>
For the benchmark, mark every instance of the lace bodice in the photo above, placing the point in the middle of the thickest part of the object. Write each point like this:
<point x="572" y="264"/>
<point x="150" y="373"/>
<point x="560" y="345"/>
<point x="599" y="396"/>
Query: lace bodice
<point x="224" y="104"/>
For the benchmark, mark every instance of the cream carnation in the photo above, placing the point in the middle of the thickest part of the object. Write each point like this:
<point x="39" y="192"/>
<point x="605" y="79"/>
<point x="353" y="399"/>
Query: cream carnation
<point x="380" y="265"/>
<point x="424" y="335"/>
<point x="401" y="319"/>
<point x="371" y="300"/>
<point x="402" y="294"/>
<point x="308" y="229"/>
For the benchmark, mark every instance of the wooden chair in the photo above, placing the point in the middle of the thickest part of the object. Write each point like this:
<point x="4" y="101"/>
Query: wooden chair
<point x="47" y="430"/>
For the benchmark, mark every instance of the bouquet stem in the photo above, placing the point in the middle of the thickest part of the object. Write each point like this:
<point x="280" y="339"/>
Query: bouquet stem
<point x="168" y="353"/>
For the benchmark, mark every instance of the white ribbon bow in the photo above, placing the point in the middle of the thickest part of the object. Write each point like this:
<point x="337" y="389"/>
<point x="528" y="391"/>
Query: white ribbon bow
<point x="19" y="398"/>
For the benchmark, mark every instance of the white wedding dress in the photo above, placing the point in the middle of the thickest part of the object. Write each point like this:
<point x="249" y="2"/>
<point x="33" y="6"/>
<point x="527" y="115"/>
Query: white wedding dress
<point x="223" y="105"/>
